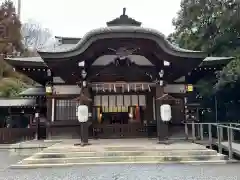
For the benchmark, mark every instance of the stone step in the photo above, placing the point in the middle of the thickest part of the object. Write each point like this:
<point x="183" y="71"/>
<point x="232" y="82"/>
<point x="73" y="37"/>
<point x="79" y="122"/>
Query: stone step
<point x="34" y="166"/>
<point x="116" y="159"/>
<point x="116" y="149"/>
<point x="68" y="154"/>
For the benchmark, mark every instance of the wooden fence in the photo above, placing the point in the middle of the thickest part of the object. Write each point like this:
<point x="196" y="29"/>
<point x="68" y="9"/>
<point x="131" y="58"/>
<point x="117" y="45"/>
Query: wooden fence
<point x="12" y="135"/>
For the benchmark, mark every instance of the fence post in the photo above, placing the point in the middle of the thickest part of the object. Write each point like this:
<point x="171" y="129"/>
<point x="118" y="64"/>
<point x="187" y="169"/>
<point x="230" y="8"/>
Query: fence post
<point x="186" y="131"/>
<point x="219" y="139"/>
<point x="201" y="131"/>
<point x="221" y="133"/>
<point x="193" y="131"/>
<point x="232" y="134"/>
<point x="230" y="151"/>
<point x="210" y="135"/>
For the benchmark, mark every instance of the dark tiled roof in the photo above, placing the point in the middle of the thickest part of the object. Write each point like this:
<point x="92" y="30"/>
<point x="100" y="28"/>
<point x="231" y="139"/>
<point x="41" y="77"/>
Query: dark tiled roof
<point x="34" y="91"/>
<point x="68" y="40"/>
<point x="17" y="102"/>
<point x="26" y="61"/>
<point x="208" y="61"/>
<point x="115" y="31"/>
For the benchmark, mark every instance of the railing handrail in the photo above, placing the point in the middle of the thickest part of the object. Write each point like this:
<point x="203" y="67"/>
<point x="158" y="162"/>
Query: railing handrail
<point x="220" y="137"/>
<point x="224" y="125"/>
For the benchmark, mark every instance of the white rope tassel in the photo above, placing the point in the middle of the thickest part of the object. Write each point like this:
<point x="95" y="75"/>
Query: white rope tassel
<point x="123" y="88"/>
<point x="96" y="88"/>
<point x="149" y="89"/>
<point x="142" y="87"/>
<point x="128" y="88"/>
<point x="114" y="87"/>
<point x="103" y="88"/>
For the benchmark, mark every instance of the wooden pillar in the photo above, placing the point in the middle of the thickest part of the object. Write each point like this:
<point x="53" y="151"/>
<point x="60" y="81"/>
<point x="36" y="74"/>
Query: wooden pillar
<point x="162" y="129"/>
<point x="49" y="116"/>
<point x="86" y="100"/>
<point x="149" y="108"/>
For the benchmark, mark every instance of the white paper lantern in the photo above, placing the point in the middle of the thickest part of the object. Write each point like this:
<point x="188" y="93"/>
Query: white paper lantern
<point x="166" y="113"/>
<point x="82" y="113"/>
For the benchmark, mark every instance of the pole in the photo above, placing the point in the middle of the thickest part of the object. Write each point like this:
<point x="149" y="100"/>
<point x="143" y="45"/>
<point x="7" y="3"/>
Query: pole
<point x="19" y="8"/>
<point x="81" y="134"/>
<point x="216" y="108"/>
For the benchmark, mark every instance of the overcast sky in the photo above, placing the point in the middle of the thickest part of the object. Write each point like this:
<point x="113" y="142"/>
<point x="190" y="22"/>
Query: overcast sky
<point x="74" y="18"/>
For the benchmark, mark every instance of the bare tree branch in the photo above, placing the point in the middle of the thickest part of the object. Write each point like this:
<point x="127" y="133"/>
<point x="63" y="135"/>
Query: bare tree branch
<point x="34" y="35"/>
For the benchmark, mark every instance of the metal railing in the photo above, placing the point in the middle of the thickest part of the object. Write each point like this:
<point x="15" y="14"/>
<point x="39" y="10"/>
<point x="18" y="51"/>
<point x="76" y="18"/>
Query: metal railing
<point x="214" y="133"/>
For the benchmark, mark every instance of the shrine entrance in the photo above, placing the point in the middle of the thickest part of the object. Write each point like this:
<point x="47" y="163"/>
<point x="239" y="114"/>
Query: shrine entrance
<point x="119" y="116"/>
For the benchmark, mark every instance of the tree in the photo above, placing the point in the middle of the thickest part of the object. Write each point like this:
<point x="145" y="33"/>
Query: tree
<point x="10" y="44"/>
<point x="212" y="26"/>
<point x="34" y="36"/>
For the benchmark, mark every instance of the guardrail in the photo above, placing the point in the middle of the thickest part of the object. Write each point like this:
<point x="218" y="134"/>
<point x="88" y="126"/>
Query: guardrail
<point x="214" y="133"/>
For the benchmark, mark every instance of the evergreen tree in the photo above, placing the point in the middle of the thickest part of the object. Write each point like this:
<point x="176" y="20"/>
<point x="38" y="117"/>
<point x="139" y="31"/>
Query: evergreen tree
<point x="213" y="26"/>
<point x="10" y="44"/>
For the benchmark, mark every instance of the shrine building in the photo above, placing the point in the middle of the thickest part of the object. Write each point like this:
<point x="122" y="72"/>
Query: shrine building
<point x="123" y="72"/>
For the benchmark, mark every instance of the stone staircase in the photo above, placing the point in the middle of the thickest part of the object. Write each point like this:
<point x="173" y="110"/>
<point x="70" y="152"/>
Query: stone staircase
<point x="68" y="155"/>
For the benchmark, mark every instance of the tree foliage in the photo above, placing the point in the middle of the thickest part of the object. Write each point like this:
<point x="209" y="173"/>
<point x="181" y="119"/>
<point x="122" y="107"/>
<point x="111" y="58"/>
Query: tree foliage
<point x="10" y="43"/>
<point x="212" y="26"/>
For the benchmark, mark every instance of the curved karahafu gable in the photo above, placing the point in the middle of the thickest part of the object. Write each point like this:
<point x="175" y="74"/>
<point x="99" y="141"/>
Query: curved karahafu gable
<point x="120" y="32"/>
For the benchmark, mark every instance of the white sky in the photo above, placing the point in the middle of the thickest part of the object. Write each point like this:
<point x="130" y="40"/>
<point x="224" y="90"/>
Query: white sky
<point x="73" y="18"/>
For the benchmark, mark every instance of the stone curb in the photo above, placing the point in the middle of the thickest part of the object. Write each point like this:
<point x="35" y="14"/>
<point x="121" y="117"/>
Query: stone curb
<point x="24" y="145"/>
<point x="34" y="166"/>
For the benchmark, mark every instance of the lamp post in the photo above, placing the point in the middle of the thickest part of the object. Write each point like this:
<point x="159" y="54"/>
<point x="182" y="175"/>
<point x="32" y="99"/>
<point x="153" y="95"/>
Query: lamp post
<point x="82" y="114"/>
<point x="216" y="108"/>
<point x="166" y="116"/>
<point x="37" y="121"/>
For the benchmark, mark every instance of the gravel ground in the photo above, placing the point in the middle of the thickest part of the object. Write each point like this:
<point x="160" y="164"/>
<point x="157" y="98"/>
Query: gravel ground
<point x="120" y="172"/>
<point x="128" y="172"/>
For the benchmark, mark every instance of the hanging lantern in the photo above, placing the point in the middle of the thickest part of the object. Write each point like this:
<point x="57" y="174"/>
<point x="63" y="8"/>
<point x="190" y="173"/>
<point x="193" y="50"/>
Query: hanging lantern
<point x="130" y="114"/>
<point x="49" y="89"/>
<point x="49" y="73"/>
<point x="189" y="88"/>
<point x="99" y="115"/>
<point x="161" y="82"/>
<point x="161" y="73"/>
<point x="137" y="113"/>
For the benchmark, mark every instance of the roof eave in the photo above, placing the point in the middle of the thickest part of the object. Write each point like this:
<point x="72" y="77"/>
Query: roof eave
<point x="211" y="61"/>
<point x="115" y="31"/>
<point x="24" y="63"/>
